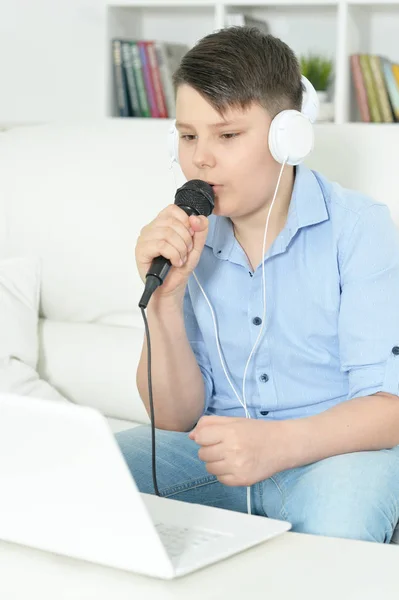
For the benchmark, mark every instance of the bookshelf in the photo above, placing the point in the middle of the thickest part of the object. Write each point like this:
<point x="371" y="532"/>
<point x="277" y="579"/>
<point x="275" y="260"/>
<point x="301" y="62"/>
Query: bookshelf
<point x="336" y="28"/>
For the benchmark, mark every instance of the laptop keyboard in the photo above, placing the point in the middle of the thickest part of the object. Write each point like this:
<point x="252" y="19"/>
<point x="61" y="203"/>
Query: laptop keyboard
<point x="178" y="539"/>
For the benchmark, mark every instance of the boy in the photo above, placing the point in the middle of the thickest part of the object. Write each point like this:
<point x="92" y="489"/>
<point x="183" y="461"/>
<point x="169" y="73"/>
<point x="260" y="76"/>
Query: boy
<point x="321" y="447"/>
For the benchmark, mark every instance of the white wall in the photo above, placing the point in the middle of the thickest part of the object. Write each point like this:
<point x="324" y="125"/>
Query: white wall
<point x="51" y="60"/>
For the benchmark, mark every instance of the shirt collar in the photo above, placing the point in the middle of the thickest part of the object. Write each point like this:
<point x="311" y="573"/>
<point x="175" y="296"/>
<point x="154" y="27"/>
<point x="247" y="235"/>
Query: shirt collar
<point x="307" y="207"/>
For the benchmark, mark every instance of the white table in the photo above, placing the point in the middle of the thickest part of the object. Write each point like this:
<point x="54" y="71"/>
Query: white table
<point x="293" y="566"/>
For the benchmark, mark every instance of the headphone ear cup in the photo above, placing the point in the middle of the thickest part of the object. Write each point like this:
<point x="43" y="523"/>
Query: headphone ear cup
<point x="291" y="137"/>
<point x="173" y="143"/>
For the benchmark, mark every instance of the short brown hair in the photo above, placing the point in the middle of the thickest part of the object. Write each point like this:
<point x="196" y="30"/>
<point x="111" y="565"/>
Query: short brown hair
<point x="237" y="66"/>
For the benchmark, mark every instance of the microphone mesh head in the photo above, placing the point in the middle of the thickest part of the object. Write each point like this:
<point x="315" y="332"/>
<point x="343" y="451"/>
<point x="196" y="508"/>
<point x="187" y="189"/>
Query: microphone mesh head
<point x="196" y="194"/>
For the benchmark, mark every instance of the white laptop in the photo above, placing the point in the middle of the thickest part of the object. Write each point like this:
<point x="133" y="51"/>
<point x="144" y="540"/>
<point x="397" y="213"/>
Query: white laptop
<point x="65" y="488"/>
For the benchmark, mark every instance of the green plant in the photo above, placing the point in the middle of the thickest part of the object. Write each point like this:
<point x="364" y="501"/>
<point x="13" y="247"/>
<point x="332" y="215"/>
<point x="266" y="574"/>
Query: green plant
<point x="317" y="69"/>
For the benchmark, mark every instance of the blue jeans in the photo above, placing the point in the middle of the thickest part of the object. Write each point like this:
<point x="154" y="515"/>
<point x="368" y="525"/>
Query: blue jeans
<point x="350" y="495"/>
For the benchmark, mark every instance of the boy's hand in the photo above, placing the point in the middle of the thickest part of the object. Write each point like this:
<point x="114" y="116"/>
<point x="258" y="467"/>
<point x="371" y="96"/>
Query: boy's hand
<point x="242" y="451"/>
<point x="176" y="236"/>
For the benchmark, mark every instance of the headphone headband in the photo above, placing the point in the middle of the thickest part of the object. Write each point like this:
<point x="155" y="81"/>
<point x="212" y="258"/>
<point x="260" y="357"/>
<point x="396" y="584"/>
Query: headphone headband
<point x="310" y="102"/>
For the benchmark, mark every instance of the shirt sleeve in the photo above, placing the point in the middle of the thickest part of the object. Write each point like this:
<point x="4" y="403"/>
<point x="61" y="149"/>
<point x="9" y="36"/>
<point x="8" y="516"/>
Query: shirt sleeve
<point x="369" y="310"/>
<point x="198" y="347"/>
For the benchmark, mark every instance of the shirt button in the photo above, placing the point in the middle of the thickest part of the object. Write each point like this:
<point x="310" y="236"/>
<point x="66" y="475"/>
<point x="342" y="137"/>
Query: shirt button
<point x="264" y="412"/>
<point x="256" y="320"/>
<point x="264" y="378"/>
<point x="395" y="350"/>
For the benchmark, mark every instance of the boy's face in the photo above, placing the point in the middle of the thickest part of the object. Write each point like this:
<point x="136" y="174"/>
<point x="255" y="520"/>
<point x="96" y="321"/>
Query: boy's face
<point x="231" y="152"/>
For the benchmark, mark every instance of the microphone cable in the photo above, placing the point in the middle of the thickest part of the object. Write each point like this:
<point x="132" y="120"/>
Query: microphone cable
<point x="195" y="197"/>
<point x="151" y="400"/>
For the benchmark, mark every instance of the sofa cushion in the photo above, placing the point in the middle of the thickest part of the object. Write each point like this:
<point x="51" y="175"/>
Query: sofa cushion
<point x="19" y="303"/>
<point x="86" y="191"/>
<point x="94" y="364"/>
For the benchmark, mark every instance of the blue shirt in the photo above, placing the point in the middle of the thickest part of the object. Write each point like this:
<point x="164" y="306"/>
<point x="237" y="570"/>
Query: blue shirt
<point x="332" y="299"/>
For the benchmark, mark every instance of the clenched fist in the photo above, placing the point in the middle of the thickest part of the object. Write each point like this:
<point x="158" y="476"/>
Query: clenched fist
<point x="176" y="236"/>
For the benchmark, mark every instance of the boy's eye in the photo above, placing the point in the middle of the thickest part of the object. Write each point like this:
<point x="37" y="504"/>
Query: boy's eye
<point x="229" y="136"/>
<point x="189" y="137"/>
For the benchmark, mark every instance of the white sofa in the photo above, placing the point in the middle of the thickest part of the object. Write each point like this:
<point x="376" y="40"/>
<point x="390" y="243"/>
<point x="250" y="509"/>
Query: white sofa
<point x="77" y="195"/>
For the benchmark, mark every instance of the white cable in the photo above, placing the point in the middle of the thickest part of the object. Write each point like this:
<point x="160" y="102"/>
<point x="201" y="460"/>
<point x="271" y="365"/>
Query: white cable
<point x="218" y="344"/>
<point x="264" y="312"/>
<point x="263" y="282"/>
<point x="244" y="402"/>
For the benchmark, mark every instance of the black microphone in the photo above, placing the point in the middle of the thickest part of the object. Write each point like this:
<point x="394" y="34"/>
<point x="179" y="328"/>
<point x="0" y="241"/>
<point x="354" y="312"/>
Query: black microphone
<point x="196" y="197"/>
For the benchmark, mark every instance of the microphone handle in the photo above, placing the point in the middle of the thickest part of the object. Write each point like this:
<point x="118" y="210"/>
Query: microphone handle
<point x="160" y="268"/>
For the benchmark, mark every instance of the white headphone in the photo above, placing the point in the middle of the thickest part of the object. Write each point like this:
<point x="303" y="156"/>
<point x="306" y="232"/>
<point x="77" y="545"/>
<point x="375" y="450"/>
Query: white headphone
<point x="291" y="135"/>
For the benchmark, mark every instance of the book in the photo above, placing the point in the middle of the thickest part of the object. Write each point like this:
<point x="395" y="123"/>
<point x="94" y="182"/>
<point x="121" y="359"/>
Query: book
<point x="370" y="89"/>
<point x="395" y="69"/>
<point x="120" y="86"/>
<point x="134" y="108"/>
<point x="156" y="80"/>
<point x="380" y="88"/>
<point x="149" y="86"/>
<point x="392" y="86"/>
<point x="139" y="78"/>
<point x="360" y="88"/>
